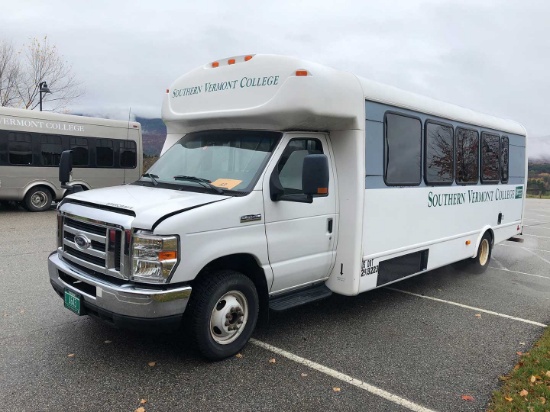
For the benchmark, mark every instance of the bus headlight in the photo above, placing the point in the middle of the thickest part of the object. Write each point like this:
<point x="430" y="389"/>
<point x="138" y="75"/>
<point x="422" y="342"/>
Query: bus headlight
<point x="154" y="257"/>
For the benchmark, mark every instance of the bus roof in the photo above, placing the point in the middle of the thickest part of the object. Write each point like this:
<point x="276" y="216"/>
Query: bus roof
<point x="286" y="93"/>
<point x="61" y="117"/>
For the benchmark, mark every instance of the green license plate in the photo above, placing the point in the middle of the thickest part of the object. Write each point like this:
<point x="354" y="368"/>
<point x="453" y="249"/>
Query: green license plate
<point x="73" y="302"/>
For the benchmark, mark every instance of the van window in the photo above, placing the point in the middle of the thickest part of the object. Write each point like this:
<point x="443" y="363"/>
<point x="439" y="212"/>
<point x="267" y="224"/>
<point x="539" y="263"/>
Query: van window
<point x="291" y="163"/>
<point x="504" y="158"/>
<point x="490" y="158"/>
<point x="20" y="148"/>
<point x="439" y="158"/>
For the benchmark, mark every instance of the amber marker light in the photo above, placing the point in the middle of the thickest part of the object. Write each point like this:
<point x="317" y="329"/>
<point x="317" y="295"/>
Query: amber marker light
<point x="468" y="243"/>
<point x="301" y="73"/>
<point x="215" y="64"/>
<point x="247" y="58"/>
<point x="168" y="255"/>
<point x="322" y="190"/>
<point x="231" y="61"/>
<point x="167" y="90"/>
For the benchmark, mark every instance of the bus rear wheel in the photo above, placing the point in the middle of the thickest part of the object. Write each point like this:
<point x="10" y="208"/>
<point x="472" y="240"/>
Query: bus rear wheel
<point x="480" y="263"/>
<point x="38" y="199"/>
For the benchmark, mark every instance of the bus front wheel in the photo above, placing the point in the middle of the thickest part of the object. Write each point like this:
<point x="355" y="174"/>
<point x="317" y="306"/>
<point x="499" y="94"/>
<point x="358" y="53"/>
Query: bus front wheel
<point x="480" y="263"/>
<point x="38" y="199"/>
<point x="224" y="311"/>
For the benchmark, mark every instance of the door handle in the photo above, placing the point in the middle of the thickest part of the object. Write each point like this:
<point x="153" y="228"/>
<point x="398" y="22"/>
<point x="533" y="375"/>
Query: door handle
<point x="329" y="225"/>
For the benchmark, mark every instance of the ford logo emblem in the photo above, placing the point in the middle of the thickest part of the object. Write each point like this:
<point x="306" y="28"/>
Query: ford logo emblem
<point x="82" y="242"/>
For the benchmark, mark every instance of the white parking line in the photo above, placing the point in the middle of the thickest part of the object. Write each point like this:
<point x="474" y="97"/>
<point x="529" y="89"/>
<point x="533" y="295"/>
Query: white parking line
<point x="490" y="312"/>
<point x="523" y="247"/>
<point x="543" y="237"/>
<point x="537" y="255"/>
<point x="343" y="377"/>
<point x="521" y="273"/>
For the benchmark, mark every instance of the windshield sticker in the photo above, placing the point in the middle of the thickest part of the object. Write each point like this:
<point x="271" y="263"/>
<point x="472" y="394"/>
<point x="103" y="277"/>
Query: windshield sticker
<point x="226" y="183"/>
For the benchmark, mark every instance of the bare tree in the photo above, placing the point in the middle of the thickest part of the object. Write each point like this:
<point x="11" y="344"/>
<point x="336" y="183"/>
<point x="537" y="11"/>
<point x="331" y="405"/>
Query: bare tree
<point x="22" y="72"/>
<point x="9" y="75"/>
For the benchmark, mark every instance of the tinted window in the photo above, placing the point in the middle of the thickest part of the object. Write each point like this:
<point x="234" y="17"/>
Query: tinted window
<point x="128" y="155"/>
<point x="51" y="147"/>
<point x="402" y="150"/>
<point x="504" y="158"/>
<point x="79" y="146"/>
<point x="292" y="161"/>
<point x="490" y="158"/>
<point x="105" y="154"/>
<point x="467" y="156"/>
<point x="20" y="148"/>
<point x="439" y="168"/>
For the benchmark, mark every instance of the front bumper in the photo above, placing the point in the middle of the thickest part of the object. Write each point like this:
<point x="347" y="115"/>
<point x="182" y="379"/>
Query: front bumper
<point x="124" y="305"/>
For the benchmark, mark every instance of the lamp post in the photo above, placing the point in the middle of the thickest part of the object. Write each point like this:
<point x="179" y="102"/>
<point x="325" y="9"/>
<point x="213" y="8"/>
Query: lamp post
<point x="43" y="88"/>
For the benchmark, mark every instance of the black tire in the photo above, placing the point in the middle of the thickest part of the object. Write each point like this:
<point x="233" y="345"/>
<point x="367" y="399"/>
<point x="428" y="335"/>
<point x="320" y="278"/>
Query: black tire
<point x="38" y="199"/>
<point x="480" y="263"/>
<point x="219" y="302"/>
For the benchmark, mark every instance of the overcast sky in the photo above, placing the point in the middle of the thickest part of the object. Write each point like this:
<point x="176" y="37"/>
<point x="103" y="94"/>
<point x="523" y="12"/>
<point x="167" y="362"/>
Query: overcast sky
<point x="490" y="56"/>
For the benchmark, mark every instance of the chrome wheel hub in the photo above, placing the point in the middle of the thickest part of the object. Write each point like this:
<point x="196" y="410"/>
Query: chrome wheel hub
<point x="229" y="317"/>
<point x="39" y="199"/>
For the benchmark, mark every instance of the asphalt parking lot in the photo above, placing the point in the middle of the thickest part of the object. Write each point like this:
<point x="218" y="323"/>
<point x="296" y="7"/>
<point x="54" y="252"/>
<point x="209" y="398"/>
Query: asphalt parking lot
<point x="419" y="345"/>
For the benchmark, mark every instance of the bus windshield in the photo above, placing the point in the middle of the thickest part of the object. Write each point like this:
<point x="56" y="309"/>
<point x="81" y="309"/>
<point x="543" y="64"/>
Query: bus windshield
<point x="230" y="160"/>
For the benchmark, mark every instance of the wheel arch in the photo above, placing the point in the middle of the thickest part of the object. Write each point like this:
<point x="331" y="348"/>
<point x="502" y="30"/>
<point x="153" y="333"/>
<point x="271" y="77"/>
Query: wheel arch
<point x="51" y="187"/>
<point x="248" y="265"/>
<point x="486" y="229"/>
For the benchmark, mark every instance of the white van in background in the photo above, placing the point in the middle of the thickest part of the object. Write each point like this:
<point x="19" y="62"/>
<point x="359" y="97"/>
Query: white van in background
<point x="281" y="182"/>
<point x="105" y="153"/>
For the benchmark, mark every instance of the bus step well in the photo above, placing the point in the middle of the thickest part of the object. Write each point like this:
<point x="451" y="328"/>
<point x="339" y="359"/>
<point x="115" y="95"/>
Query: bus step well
<point x="299" y="297"/>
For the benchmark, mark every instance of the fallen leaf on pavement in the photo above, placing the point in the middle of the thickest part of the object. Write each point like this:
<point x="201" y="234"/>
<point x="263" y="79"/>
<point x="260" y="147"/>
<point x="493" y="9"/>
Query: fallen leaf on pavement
<point x="140" y="409"/>
<point x="336" y="389"/>
<point x="523" y="393"/>
<point x="522" y="343"/>
<point x="519" y="353"/>
<point x="467" y="398"/>
<point x="151" y="364"/>
<point x="107" y="341"/>
<point x="239" y="355"/>
<point x="272" y="360"/>
<point x="478" y="315"/>
<point x="304" y="375"/>
<point x="70" y="355"/>
<point x="143" y="402"/>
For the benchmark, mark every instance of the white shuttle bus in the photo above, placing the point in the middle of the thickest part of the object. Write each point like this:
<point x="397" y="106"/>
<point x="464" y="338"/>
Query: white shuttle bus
<point x="105" y="153"/>
<point x="281" y="182"/>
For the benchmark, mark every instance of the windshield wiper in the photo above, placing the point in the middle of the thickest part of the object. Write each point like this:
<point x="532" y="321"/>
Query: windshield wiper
<point x="204" y="182"/>
<point x="152" y="177"/>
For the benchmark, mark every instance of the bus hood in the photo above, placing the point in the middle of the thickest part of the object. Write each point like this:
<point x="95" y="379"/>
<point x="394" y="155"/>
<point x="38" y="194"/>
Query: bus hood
<point x="149" y="204"/>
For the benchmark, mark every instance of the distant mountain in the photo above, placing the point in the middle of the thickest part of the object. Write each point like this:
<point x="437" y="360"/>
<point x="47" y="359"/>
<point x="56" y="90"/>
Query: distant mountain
<point x="154" y="135"/>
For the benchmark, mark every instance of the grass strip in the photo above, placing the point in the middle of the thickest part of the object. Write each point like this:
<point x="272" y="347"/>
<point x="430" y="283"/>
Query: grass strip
<point x="527" y="387"/>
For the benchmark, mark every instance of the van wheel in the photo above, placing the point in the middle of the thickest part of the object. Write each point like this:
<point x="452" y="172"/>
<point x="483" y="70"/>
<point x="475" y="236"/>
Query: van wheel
<point x="224" y="310"/>
<point x="38" y="199"/>
<point x="480" y="263"/>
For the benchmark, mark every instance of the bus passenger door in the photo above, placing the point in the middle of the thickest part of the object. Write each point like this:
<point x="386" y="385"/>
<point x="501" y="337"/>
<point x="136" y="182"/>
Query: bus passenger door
<point x="301" y="237"/>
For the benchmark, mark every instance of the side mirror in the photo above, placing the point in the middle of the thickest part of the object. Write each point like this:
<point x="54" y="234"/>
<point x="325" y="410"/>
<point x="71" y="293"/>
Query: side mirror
<point x="315" y="175"/>
<point x="65" y="167"/>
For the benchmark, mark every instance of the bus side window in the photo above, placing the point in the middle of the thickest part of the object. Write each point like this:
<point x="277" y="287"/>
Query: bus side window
<point x="104" y="152"/>
<point x="490" y="154"/>
<point x="79" y="146"/>
<point x="128" y="154"/>
<point x="504" y="158"/>
<point x="467" y="156"/>
<point x="20" y="149"/>
<point x="403" y="150"/>
<point x="439" y="155"/>
<point x="51" y="147"/>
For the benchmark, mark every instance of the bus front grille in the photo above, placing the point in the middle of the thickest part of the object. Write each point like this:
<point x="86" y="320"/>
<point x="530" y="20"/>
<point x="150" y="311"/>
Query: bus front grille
<point x="96" y="247"/>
